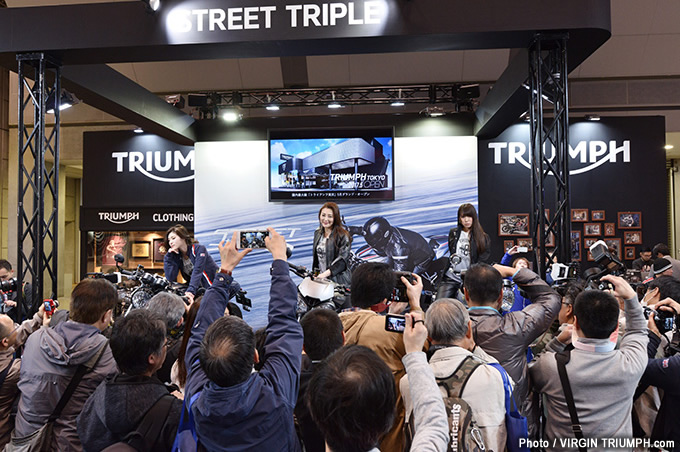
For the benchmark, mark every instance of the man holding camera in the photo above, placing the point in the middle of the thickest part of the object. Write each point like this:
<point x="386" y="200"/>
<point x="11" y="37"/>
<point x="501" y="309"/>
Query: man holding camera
<point x="9" y="298"/>
<point x="13" y="336"/>
<point x="53" y="355"/>
<point x="233" y="407"/>
<point x="602" y="379"/>
<point x="372" y="287"/>
<point x="507" y="337"/>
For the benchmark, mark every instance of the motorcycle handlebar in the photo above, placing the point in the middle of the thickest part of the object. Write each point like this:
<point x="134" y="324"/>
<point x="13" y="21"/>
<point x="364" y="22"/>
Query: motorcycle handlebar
<point x="299" y="270"/>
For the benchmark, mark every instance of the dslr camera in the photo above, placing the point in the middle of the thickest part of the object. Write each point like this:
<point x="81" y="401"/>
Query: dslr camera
<point x="664" y="320"/>
<point x="9" y="286"/>
<point x="607" y="264"/>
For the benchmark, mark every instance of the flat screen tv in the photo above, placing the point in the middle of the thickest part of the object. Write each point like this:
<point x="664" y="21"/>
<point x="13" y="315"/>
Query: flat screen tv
<point x="331" y="164"/>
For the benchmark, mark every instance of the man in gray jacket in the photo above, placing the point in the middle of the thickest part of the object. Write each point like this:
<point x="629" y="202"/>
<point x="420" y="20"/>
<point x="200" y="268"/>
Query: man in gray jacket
<point x="51" y="357"/>
<point x="507" y="337"/>
<point x="602" y="379"/>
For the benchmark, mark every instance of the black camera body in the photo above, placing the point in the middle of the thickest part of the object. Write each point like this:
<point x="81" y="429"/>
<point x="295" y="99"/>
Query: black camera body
<point x="664" y="320"/>
<point x="603" y="285"/>
<point x="399" y="293"/>
<point x="10" y="285"/>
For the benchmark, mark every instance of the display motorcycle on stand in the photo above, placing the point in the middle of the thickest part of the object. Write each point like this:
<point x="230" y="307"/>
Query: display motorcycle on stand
<point x="318" y="293"/>
<point x="140" y="286"/>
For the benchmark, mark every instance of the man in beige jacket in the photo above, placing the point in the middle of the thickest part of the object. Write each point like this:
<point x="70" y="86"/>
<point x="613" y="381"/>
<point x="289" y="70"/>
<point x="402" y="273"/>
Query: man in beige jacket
<point x="13" y="336"/>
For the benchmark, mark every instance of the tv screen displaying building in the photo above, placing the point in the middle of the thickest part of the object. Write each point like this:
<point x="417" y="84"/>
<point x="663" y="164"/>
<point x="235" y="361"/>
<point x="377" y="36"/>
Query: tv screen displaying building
<point x="353" y="166"/>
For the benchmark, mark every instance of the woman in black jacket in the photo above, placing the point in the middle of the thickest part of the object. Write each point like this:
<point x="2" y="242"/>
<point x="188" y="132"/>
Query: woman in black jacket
<point x="468" y="245"/>
<point x="332" y="244"/>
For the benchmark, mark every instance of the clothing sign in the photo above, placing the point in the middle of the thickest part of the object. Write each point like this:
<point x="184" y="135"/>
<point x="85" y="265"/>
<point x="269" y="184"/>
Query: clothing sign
<point x="135" y="219"/>
<point x="615" y="165"/>
<point x="128" y="171"/>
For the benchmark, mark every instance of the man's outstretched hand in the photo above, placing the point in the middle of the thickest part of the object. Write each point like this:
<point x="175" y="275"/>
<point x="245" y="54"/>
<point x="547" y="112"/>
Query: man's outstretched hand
<point x="276" y="244"/>
<point x="229" y="255"/>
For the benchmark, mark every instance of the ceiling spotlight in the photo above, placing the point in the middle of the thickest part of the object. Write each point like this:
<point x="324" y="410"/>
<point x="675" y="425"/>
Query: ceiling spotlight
<point x="592" y="117"/>
<point x="66" y="100"/>
<point x="231" y="116"/>
<point x="433" y="111"/>
<point x="398" y="102"/>
<point x="273" y="107"/>
<point x="668" y="147"/>
<point x="152" y="5"/>
<point x="138" y="130"/>
<point x="334" y="104"/>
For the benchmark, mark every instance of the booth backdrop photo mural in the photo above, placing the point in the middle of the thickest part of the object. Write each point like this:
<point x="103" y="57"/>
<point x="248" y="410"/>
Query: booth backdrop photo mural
<point x="433" y="176"/>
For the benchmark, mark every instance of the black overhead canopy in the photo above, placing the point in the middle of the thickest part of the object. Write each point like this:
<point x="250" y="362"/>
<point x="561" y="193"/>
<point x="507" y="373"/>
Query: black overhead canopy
<point x="86" y="37"/>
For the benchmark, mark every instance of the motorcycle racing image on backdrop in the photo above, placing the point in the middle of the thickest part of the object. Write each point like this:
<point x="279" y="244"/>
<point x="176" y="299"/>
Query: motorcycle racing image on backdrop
<point x="409" y="233"/>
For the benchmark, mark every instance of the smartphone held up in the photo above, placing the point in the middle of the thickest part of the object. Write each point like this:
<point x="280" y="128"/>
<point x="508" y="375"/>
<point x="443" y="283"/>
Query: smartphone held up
<point x="252" y="239"/>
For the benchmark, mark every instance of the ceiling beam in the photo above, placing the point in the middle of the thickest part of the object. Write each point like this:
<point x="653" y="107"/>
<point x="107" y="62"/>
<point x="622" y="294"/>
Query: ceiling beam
<point x="108" y="90"/>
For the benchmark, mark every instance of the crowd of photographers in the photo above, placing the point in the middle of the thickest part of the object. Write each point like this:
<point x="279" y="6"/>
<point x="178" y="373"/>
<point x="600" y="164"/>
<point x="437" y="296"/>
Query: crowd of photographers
<point x="581" y="361"/>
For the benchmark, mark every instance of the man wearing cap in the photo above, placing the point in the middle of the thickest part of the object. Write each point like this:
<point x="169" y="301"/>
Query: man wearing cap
<point x="662" y="267"/>
<point x="662" y="250"/>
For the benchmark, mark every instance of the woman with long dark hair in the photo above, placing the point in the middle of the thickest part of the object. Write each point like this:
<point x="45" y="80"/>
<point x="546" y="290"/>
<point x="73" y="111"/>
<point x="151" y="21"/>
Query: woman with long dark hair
<point x="468" y="245"/>
<point x="332" y="244"/>
<point x="188" y="257"/>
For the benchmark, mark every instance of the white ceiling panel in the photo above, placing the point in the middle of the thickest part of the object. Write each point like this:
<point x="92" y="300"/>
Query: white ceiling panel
<point x="328" y="70"/>
<point x="484" y="65"/>
<point x="204" y="75"/>
<point x="618" y="57"/>
<point x="406" y="68"/>
<point x="633" y="17"/>
<point x="666" y="17"/>
<point x="261" y="73"/>
<point x="662" y="55"/>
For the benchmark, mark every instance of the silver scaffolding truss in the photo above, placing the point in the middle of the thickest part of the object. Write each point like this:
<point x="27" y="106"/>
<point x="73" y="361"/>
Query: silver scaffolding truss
<point x="549" y="147"/>
<point x="39" y="80"/>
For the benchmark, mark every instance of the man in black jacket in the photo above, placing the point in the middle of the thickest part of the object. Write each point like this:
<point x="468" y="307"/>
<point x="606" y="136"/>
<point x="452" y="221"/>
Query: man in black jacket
<point x="664" y="373"/>
<point x="118" y="405"/>
<point x="323" y="334"/>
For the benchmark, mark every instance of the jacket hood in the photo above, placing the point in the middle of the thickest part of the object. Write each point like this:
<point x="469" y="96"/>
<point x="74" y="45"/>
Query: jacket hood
<point x="236" y="401"/>
<point x="70" y="343"/>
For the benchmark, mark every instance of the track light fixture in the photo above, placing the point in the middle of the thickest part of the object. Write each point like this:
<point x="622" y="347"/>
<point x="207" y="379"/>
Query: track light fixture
<point x="66" y="100"/>
<point x="152" y="5"/>
<point x="433" y="111"/>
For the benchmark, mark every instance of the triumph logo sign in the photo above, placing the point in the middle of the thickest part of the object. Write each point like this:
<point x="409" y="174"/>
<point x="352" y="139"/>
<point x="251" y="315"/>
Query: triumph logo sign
<point x="118" y="217"/>
<point x="587" y="154"/>
<point x="151" y="163"/>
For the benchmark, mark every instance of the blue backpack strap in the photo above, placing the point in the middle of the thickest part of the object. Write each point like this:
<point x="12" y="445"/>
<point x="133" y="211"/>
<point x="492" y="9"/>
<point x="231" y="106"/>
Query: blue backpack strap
<point x="509" y="399"/>
<point x="188" y="426"/>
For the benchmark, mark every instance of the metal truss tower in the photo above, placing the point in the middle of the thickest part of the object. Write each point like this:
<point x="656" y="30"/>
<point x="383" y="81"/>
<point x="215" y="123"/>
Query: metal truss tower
<point x="549" y="118"/>
<point x="39" y="85"/>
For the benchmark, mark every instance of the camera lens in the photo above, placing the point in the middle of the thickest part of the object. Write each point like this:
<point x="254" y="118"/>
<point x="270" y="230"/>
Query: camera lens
<point x="8" y="286"/>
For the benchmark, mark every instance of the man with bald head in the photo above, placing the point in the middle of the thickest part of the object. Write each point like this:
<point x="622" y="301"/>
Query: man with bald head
<point x="12" y="336"/>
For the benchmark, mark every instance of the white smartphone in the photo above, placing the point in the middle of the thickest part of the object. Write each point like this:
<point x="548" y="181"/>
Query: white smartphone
<point x="252" y="239"/>
<point x="522" y="249"/>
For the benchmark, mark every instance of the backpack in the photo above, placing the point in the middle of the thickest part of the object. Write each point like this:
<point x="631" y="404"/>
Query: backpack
<point x="147" y="433"/>
<point x="464" y="434"/>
